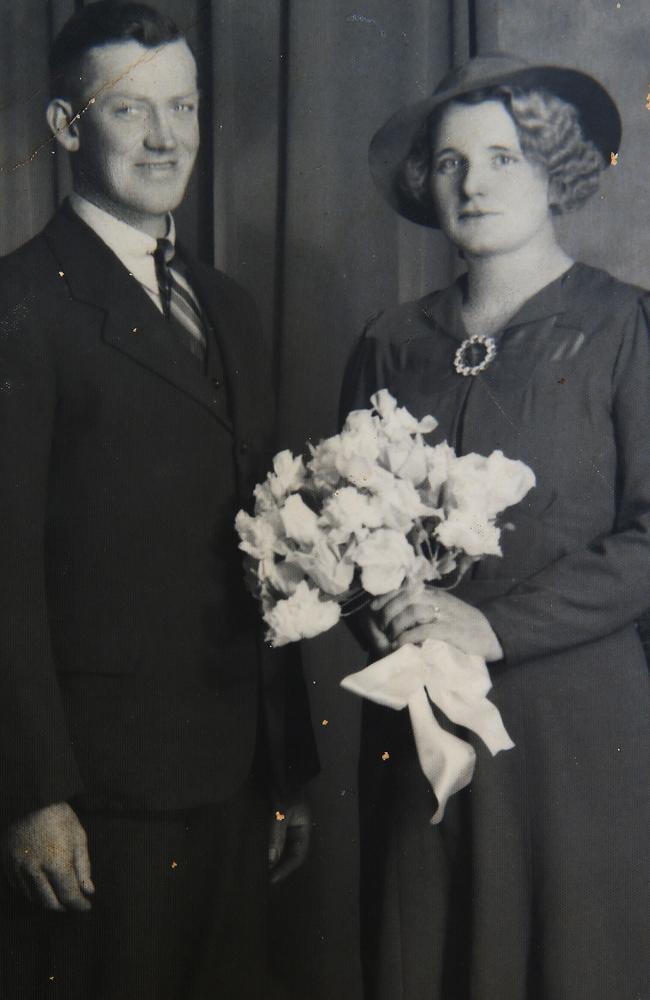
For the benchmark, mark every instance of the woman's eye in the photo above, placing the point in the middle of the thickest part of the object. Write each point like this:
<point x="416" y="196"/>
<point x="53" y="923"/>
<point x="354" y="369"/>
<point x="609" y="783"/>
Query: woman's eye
<point x="126" y="110"/>
<point x="504" y="159"/>
<point x="448" y="165"/>
<point x="186" y="107"/>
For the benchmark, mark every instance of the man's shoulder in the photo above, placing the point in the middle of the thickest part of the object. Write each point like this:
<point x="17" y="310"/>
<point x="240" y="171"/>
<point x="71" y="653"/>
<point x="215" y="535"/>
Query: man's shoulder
<point x="31" y="270"/>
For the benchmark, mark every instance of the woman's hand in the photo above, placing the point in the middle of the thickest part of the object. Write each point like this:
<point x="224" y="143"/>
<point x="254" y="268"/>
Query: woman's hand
<point x="416" y="613"/>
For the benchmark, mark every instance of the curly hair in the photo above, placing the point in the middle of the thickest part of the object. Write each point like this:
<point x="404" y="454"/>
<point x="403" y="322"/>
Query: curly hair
<point x="549" y="132"/>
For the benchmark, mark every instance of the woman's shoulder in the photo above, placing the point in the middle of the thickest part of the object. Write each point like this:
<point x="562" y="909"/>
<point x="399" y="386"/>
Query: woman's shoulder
<point x="405" y="321"/>
<point x="597" y="293"/>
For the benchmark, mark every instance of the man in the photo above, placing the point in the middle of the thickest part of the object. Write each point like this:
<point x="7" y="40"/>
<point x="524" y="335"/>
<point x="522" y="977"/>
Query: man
<point x="134" y="420"/>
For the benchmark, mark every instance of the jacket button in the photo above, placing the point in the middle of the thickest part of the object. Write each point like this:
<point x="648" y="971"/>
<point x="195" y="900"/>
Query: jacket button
<point x="244" y="447"/>
<point x="216" y="382"/>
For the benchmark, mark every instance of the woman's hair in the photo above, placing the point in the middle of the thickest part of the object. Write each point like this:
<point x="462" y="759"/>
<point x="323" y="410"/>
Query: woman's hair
<point x="100" y="24"/>
<point x="549" y="133"/>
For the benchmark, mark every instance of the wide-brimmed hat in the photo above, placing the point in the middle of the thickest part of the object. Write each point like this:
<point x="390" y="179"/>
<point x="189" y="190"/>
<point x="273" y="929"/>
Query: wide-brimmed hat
<point x="599" y="117"/>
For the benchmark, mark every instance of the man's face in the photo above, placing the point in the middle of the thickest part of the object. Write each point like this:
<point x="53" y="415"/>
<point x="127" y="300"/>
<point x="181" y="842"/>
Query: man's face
<point x="139" y="134"/>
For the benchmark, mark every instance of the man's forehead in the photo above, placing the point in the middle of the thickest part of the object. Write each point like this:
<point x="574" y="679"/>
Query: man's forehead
<point x="128" y="67"/>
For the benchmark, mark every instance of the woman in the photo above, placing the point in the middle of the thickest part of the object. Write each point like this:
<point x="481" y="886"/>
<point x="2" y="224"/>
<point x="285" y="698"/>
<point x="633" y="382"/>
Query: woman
<point x="534" y="886"/>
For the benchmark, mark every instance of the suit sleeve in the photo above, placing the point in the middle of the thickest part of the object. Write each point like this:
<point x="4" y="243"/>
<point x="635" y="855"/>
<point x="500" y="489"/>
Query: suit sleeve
<point x="37" y="763"/>
<point x="292" y="754"/>
<point x="593" y="592"/>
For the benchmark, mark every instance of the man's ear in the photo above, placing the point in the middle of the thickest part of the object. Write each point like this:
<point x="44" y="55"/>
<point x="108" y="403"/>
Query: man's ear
<point x="63" y="123"/>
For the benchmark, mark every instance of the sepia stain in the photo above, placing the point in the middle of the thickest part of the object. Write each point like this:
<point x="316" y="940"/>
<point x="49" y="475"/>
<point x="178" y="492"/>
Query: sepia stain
<point x="174" y="864"/>
<point x="325" y="722"/>
<point x="614" y="159"/>
<point x="647" y="100"/>
<point x="385" y="755"/>
<point x="279" y="816"/>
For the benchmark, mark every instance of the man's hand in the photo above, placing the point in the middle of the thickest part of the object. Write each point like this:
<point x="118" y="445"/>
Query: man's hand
<point x="288" y="839"/>
<point x="45" y="856"/>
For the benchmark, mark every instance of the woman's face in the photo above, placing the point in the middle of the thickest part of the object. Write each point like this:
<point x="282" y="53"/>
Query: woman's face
<point x="489" y="198"/>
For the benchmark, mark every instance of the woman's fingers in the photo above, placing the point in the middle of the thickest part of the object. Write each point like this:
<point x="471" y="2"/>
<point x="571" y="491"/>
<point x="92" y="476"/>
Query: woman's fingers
<point x="420" y="613"/>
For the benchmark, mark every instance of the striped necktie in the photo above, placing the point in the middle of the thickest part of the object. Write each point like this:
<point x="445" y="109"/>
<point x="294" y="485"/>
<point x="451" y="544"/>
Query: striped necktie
<point x="178" y="299"/>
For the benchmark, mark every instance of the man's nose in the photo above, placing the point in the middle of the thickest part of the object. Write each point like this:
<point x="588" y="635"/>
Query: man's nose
<point x="160" y="133"/>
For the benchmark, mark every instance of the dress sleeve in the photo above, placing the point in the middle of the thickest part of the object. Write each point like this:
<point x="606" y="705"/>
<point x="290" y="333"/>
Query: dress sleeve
<point x="592" y="592"/>
<point x="363" y="375"/>
<point x="38" y="766"/>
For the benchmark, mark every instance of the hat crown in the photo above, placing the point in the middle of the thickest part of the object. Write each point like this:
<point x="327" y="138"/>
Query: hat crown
<point x="479" y="69"/>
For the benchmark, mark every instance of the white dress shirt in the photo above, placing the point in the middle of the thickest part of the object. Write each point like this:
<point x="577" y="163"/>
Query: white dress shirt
<point x="133" y="248"/>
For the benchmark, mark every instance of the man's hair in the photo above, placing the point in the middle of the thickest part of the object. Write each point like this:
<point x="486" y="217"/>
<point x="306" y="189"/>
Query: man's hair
<point x="549" y="132"/>
<point x="100" y="24"/>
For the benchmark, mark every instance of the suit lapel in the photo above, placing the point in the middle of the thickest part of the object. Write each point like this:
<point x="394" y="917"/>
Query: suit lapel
<point x="131" y="323"/>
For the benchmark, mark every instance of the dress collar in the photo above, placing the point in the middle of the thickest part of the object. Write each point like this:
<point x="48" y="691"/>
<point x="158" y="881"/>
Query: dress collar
<point x="444" y="307"/>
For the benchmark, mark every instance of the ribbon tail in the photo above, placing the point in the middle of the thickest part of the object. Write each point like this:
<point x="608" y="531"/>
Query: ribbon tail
<point x="475" y="713"/>
<point x="447" y="761"/>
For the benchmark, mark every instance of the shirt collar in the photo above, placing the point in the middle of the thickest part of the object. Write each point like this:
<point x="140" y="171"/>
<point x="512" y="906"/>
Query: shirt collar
<point x="133" y="248"/>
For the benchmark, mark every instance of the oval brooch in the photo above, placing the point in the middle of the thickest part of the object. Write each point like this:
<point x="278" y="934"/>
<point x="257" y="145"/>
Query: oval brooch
<point x="474" y="355"/>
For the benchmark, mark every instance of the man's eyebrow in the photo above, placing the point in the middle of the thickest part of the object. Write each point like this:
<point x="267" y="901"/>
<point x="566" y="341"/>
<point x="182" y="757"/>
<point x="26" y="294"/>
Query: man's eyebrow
<point x="123" y="96"/>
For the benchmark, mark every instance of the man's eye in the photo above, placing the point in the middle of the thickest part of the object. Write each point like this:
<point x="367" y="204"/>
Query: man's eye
<point x="187" y="107"/>
<point x="504" y="159"/>
<point x="127" y="110"/>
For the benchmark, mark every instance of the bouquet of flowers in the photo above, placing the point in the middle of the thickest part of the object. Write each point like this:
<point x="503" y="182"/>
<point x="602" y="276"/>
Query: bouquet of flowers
<point x="372" y="509"/>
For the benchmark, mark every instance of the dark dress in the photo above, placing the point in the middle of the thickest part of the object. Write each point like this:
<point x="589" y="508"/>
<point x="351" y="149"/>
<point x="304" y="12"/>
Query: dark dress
<point x="535" y="885"/>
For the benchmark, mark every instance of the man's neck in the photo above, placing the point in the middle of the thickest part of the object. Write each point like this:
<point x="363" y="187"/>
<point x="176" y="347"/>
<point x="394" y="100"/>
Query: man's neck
<point x="155" y="226"/>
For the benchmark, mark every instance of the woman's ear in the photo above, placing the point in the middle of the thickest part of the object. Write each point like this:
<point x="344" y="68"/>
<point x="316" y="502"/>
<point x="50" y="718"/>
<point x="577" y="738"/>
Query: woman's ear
<point x="63" y="124"/>
<point x="556" y="195"/>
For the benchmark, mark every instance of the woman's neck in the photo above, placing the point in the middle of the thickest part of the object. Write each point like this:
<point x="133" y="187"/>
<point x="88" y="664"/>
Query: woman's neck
<point x="497" y="286"/>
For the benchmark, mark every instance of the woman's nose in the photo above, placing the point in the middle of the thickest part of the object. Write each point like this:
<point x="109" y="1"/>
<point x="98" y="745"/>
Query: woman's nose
<point x="160" y="134"/>
<point x="473" y="180"/>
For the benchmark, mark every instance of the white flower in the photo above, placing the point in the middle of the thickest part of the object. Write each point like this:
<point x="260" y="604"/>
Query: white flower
<point x="440" y="460"/>
<point x="299" y="522"/>
<point x="281" y="575"/>
<point x="288" y="477"/>
<point x="488" y="485"/>
<point x="301" y="616"/>
<point x="396" y="420"/>
<point x="385" y="559"/>
<point x="258" y="535"/>
<point x="323" y="471"/>
<point x="327" y="569"/>
<point x="408" y="460"/>
<point x="350" y="513"/>
<point x="471" y="532"/>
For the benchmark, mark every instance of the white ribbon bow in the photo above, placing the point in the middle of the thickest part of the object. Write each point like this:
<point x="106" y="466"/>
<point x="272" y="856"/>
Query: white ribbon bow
<point x="457" y="683"/>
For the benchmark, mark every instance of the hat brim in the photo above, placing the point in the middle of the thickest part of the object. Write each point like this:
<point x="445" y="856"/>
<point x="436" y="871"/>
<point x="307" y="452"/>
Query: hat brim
<point x="391" y="144"/>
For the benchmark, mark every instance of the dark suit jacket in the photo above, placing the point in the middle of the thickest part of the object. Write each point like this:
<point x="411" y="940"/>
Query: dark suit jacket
<point x="130" y="653"/>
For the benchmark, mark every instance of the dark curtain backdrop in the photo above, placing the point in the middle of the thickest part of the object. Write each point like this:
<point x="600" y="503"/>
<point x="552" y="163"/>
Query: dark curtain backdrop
<point x="281" y="199"/>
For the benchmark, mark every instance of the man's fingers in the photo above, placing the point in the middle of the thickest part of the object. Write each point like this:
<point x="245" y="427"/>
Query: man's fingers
<point x="66" y="886"/>
<point x="38" y="890"/>
<point x="295" y="852"/>
<point x="277" y="838"/>
<point x="81" y="862"/>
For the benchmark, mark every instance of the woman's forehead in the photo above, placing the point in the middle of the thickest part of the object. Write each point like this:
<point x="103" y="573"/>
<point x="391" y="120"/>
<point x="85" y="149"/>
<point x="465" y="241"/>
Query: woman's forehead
<point x="475" y="126"/>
